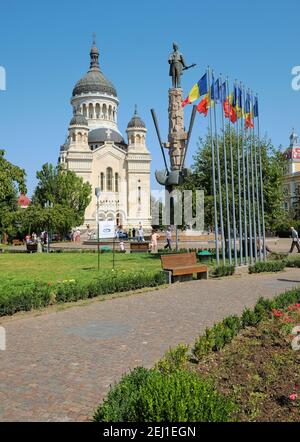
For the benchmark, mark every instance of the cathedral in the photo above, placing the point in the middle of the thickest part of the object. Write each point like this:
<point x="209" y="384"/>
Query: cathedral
<point x="96" y="150"/>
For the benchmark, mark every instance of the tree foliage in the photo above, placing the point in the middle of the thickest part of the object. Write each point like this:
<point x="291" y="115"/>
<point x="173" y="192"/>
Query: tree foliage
<point x="272" y="166"/>
<point x="59" y="200"/>
<point x="12" y="182"/>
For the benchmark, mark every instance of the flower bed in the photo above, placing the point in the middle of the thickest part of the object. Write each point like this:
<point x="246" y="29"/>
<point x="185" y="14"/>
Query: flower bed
<point x="150" y="395"/>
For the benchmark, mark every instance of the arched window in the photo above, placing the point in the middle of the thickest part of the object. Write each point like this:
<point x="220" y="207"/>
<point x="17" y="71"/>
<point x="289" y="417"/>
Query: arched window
<point x="116" y="182"/>
<point x="132" y="139"/>
<point x="109" y="179"/>
<point x="79" y="136"/>
<point x="109" y="112"/>
<point x="104" y="111"/>
<point x="138" y="139"/>
<point x="84" y="110"/>
<point x="73" y="136"/>
<point x="97" y="110"/>
<point x="102" y="181"/>
<point x="91" y="111"/>
<point x="139" y="195"/>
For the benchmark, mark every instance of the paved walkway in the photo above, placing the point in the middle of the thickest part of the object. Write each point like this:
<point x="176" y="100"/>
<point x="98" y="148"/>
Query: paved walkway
<point x="59" y="364"/>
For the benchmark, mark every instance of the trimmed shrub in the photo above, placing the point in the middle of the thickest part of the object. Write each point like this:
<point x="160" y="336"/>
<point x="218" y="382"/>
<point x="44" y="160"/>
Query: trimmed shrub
<point x="218" y="336"/>
<point x="268" y="266"/>
<point x="174" y="359"/>
<point x="221" y="271"/>
<point x="16" y="297"/>
<point x="293" y="262"/>
<point x="25" y="297"/>
<point x="151" y="396"/>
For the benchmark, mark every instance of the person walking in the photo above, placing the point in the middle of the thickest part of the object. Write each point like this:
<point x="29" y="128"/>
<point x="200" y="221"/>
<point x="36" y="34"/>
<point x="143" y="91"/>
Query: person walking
<point x="295" y="240"/>
<point x="141" y="234"/>
<point x="154" y="238"/>
<point x="133" y="234"/>
<point x="169" y="238"/>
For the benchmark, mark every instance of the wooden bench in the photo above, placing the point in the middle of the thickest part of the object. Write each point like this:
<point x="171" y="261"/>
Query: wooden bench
<point x="139" y="247"/>
<point x="182" y="266"/>
<point x="17" y="242"/>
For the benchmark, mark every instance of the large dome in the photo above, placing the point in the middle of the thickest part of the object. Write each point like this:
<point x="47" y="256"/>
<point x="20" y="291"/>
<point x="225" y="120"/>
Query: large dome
<point x="94" y="81"/>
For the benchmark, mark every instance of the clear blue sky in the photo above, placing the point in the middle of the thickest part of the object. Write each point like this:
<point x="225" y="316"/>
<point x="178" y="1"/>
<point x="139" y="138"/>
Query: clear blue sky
<point x="44" y="47"/>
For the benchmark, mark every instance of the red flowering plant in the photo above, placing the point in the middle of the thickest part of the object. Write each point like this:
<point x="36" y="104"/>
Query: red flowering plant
<point x="294" y="397"/>
<point x="287" y="318"/>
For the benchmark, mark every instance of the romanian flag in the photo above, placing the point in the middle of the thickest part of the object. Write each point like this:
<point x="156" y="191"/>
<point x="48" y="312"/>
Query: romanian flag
<point x="229" y="110"/>
<point x="249" y="123"/>
<point x="238" y="102"/>
<point x="204" y="105"/>
<point x="197" y="91"/>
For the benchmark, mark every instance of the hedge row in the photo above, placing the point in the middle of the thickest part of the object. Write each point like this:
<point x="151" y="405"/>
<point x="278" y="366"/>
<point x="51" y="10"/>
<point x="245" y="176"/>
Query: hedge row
<point x="220" y="271"/>
<point x="268" y="266"/>
<point x="28" y="296"/>
<point x="216" y="337"/>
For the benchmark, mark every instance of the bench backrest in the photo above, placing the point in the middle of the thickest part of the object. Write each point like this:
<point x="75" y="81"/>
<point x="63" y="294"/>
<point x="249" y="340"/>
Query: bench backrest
<point x="178" y="260"/>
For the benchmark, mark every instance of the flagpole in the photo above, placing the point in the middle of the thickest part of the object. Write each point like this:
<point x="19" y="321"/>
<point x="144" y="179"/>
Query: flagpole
<point x="226" y="179"/>
<point x="213" y="173"/>
<point x="253" y="185"/>
<point x="232" y="182"/>
<point x="261" y="188"/>
<point x="219" y="183"/>
<point x="249" y="200"/>
<point x="239" y="186"/>
<point x="256" y="183"/>
<point x="244" y="180"/>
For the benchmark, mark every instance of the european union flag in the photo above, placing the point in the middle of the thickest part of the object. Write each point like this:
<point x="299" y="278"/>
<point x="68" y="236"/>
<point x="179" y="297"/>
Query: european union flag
<point x="248" y="104"/>
<point x="255" y="107"/>
<point x="224" y="92"/>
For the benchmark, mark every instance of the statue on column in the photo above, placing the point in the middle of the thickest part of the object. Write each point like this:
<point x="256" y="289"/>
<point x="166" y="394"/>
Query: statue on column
<point x="177" y="65"/>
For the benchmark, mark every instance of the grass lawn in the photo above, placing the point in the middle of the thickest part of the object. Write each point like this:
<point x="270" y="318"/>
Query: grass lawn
<point x="55" y="267"/>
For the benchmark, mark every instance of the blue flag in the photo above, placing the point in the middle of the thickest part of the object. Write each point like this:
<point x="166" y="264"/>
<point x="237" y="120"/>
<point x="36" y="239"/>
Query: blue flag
<point x="255" y="107"/>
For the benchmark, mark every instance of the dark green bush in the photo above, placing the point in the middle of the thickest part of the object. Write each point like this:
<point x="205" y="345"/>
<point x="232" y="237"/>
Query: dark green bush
<point x="218" y="336"/>
<point x="249" y="318"/>
<point x="28" y="296"/>
<point x="151" y="396"/>
<point x="23" y="298"/>
<point x="293" y="262"/>
<point x="268" y="266"/>
<point x="221" y="271"/>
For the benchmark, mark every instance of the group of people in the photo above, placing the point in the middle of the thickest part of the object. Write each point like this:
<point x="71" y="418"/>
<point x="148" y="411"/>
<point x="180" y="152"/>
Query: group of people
<point x="34" y="238"/>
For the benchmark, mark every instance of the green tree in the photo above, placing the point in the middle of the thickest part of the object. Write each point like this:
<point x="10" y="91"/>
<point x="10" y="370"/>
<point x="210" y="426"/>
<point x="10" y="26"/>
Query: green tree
<point x="59" y="200"/>
<point x="12" y="182"/>
<point x="273" y="170"/>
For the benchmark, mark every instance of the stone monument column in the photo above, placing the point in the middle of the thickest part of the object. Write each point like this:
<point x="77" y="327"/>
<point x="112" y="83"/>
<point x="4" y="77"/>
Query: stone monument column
<point x="177" y="135"/>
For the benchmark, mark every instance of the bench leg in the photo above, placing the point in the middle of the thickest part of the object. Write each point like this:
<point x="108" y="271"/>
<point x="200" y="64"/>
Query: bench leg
<point x="202" y="275"/>
<point x="168" y="276"/>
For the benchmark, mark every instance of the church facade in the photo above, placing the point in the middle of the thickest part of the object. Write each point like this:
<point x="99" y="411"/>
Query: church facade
<point x="291" y="180"/>
<point x="96" y="150"/>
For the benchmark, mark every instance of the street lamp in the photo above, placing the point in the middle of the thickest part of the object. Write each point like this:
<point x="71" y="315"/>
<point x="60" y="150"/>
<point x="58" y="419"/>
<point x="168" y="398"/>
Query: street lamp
<point x="48" y="204"/>
<point x="97" y="193"/>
